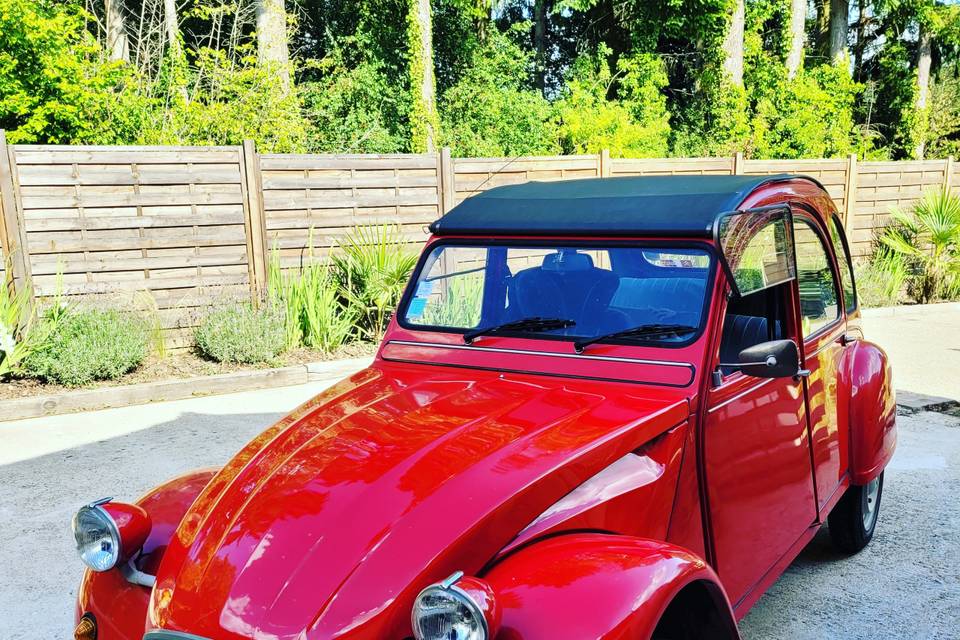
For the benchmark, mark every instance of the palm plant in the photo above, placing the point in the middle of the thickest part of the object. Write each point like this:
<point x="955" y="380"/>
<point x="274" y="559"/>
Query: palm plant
<point x="373" y="266"/>
<point x="927" y="240"/>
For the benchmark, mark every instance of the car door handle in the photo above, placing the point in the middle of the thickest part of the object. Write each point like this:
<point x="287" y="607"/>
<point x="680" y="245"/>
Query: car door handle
<point x="802" y="373"/>
<point x="848" y="338"/>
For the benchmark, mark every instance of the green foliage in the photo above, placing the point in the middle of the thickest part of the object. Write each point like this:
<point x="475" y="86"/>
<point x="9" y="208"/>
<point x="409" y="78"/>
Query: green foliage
<point x="89" y="345"/>
<point x="927" y="240"/>
<point x="810" y="116"/>
<point x="881" y="279"/>
<point x="373" y="266"/>
<point x="54" y="86"/>
<point x="423" y="114"/>
<point x="352" y="109"/>
<point x="227" y="101"/>
<point x="310" y="301"/>
<point x="636" y="126"/>
<point x="241" y="333"/>
<point x="490" y="112"/>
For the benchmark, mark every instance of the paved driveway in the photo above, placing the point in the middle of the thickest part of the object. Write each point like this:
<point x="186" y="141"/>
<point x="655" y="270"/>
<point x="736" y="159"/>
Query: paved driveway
<point x="906" y="584"/>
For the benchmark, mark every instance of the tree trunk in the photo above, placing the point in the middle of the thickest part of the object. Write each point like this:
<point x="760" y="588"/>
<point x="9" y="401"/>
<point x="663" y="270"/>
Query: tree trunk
<point x="423" y="118"/>
<point x="118" y="46"/>
<point x="171" y="24"/>
<point x="733" y="45"/>
<point x="839" y="24"/>
<point x="798" y="22"/>
<point x="860" y="46"/>
<point x="540" y="43"/>
<point x="924" y="56"/>
<point x="272" y="51"/>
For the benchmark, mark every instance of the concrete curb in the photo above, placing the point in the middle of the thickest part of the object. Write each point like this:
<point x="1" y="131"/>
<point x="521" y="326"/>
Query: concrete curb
<point x="911" y="309"/>
<point x="164" y="390"/>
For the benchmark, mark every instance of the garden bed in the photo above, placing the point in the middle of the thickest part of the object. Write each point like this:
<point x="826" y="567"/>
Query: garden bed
<point x="179" y="376"/>
<point x="180" y="366"/>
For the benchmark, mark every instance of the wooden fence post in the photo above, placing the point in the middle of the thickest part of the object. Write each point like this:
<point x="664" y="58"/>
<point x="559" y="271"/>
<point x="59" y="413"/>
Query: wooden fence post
<point x="738" y="163"/>
<point x="850" y="193"/>
<point x="256" y="228"/>
<point x="605" y="166"/>
<point x="948" y="175"/>
<point x="445" y="178"/>
<point x="14" y="235"/>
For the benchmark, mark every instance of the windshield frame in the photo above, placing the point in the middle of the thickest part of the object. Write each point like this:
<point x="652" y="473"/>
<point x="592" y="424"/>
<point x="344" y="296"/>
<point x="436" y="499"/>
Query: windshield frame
<point x="575" y="243"/>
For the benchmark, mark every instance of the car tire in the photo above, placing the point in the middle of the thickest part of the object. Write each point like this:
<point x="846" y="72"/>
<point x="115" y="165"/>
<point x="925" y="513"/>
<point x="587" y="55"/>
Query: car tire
<point x="854" y="519"/>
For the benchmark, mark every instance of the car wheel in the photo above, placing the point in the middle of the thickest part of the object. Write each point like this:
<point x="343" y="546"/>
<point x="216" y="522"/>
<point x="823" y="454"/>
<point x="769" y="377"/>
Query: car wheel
<point x="854" y="519"/>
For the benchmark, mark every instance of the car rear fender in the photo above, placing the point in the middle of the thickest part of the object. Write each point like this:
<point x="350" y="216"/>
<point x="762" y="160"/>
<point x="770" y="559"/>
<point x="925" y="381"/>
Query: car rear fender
<point x="608" y="587"/>
<point x="872" y="410"/>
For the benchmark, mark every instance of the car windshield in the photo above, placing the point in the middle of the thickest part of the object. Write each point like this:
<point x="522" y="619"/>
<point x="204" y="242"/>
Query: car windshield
<point x="574" y="292"/>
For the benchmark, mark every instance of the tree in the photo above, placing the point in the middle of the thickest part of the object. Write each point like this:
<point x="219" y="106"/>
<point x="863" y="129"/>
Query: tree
<point x="171" y="26"/>
<point x="924" y="60"/>
<point x="837" y="39"/>
<point x="798" y="24"/>
<point x="423" y="114"/>
<point x="540" y="42"/>
<point x="272" y="40"/>
<point x="733" y="45"/>
<point x="118" y="45"/>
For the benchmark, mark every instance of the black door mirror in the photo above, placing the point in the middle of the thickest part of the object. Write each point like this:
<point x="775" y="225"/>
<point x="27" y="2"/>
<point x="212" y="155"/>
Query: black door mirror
<point x="774" y="359"/>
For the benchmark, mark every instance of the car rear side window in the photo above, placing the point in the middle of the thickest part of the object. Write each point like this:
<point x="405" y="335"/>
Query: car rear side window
<point x="819" y="305"/>
<point x="846" y="268"/>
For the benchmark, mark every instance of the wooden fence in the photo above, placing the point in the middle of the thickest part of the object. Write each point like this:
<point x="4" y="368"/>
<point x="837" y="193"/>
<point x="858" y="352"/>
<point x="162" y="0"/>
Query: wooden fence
<point x="191" y="226"/>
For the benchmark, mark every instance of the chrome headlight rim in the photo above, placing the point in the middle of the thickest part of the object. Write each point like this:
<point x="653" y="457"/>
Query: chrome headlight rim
<point x="449" y="588"/>
<point x="96" y="507"/>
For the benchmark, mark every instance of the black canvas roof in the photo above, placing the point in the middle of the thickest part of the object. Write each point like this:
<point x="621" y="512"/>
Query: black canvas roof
<point x="650" y="205"/>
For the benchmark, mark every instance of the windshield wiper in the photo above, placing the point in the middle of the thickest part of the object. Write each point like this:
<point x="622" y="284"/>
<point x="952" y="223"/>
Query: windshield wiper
<point x="534" y="323"/>
<point x="643" y="331"/>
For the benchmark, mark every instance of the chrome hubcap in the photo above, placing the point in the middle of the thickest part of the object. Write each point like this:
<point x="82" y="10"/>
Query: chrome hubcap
<point x="870" y="494"/>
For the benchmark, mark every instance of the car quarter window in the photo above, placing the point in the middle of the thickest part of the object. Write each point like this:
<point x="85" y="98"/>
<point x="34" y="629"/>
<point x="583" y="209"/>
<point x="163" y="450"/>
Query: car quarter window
<point x="816" y="280"/>
<point x="846" y="266"/>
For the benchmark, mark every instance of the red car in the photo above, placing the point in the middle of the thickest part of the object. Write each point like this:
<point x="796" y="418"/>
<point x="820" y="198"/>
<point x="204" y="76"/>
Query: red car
<point x="605" y="409"/>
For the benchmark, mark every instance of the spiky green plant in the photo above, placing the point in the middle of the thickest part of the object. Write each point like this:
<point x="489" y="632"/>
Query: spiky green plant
<point x="310" y="300"/>
<point x="927" y="240"/>
<point x="373" y="265"/>
<point x="24" y="328"/>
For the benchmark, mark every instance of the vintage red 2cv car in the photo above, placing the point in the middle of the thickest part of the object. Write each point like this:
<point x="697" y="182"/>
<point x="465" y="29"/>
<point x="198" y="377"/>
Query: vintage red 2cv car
<point x="605" y="409"/>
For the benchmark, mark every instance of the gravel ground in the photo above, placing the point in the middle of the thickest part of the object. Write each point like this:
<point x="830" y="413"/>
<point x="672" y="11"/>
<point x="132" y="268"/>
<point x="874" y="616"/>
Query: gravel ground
<point x="906" y="584"/>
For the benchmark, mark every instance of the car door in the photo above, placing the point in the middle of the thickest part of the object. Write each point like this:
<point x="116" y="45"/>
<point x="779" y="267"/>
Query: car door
<point x="822" y="329"/>
<point x="756" y="449"/>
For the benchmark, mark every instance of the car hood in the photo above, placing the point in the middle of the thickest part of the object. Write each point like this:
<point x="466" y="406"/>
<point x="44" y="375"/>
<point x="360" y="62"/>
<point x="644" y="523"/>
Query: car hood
<point x="329" y="523"/>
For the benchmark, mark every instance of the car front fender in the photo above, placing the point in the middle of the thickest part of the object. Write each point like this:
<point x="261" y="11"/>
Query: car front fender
<point x="119" y="606"/>
<point x="605" y="587"/>
<point x="872" y="411"/>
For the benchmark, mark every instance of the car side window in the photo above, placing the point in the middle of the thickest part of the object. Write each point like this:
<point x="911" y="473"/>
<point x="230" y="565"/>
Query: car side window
<point x="846" y="268"/>
<point x="750" y="320"/>
<point x="819" y="305"/>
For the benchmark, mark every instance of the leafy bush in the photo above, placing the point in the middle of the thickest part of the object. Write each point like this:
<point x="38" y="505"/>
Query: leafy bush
<point x="89" y="345"/>
<point x="55" y="86"/>
<point x="880" y="280"/>
<point x="927" y="241"/>
<point x="241" y="333"/>
<point x="373" y="267"/>
<point x="810" y="116"/>
<point x="635" y="127"/>
<point x="352" y="110"/>
<point x="310" y="300"/>
<point x="490" y="112"/>
<point x="22" y="332"/>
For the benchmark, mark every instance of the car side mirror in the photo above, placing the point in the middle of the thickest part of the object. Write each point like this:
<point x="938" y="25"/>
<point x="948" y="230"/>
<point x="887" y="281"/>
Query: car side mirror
<point x="773" y="359"/>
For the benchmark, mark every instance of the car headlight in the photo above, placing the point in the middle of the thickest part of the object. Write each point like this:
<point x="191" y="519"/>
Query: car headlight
<point x="456" y="609"/>
<point x="108" y="533"/>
